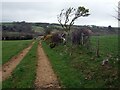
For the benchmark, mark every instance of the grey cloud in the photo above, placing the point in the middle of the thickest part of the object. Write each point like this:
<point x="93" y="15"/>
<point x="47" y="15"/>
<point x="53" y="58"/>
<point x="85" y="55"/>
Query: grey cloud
<point x="101" y="11"/>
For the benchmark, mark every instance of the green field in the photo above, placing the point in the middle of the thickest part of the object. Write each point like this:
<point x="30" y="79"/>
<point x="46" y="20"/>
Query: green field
<point x="75" y="66"/>
<point x="24" y="74"/>
<point x="12" y="48"/>
<point x="108" y="44"/>
<point x="82" y="69"/>
<point x="38" y="29"/>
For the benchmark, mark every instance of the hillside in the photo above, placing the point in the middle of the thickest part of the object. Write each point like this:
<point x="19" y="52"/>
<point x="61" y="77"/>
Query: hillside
<point x="24" y="30"/>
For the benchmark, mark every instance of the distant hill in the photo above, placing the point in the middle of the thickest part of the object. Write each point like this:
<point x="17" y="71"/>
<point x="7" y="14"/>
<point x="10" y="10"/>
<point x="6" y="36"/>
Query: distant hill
<point x="96" y="29"/>
<point x="34" y="29"/>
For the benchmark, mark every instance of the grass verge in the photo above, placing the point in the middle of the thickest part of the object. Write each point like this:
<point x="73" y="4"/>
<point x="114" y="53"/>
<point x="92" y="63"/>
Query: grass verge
<point x="82" y="69"/>
<point x="68" y="76"/>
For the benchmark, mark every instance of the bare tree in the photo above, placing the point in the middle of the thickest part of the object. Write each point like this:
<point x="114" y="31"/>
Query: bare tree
<point x="118" y="12"/>
<point x="67" y="17"/>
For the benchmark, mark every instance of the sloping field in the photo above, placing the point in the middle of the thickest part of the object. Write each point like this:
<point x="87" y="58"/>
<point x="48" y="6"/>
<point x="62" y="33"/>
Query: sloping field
<point x="38" y="29"/>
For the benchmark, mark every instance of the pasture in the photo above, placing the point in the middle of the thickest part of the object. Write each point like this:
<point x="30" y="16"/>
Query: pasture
<point x="41" y="53"/>
<point x="82" y="69"/>
<point x="75" y="66"/>
<point x="12" y="48"/>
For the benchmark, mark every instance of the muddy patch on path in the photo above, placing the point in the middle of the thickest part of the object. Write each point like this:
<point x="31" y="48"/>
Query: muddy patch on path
<point x="45" y="76"/>
<point x="8" y="67"/>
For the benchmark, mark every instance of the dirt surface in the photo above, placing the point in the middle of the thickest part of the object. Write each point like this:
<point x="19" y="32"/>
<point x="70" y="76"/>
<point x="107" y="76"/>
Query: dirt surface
<point x="45" y="76"/>
<point x="0" y="75"/>
<point x="8" y="67"/>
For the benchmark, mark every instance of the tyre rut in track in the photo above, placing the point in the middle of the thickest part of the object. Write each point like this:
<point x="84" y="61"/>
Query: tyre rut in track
<point x="45" y="76"/>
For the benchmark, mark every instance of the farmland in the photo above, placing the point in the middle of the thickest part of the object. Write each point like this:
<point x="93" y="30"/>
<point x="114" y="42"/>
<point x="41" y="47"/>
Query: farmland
<point x="24" y="74"/>
<point x="60" y="45"/>
<point x="75" y="66"/>
<point x="11" y="48"/>
<point x="69" y="65"/>
<point x="82" y="69"/>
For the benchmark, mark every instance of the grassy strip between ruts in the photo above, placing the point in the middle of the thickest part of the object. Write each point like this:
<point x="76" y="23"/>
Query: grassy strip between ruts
<point x="12" y="48"/>
<point x="24" y="74"/>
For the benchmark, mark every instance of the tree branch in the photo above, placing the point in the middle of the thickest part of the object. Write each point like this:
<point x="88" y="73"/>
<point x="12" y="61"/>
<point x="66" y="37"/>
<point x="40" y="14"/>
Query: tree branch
<point x="79" y="12"/>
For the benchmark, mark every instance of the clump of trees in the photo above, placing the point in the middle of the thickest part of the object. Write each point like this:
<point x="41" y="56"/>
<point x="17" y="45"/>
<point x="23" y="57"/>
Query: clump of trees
<point x="17" y="31"/>
<point x="18" y="27"/>
<point x="67" y="19"/>
<point x="81" y="36"/>
<point x="54" y="39"/>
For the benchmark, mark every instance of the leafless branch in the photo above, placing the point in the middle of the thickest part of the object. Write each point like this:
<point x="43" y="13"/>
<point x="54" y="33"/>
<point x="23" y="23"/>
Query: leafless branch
<point x="67" y="17"/>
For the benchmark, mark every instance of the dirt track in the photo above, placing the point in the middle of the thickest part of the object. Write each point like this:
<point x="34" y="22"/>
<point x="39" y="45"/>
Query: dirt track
<point x="8" y="67"/>
<point x="45" y="77"/>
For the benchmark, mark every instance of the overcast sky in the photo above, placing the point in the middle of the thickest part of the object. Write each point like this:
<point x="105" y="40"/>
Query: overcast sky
<point x="102" y="11"/>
